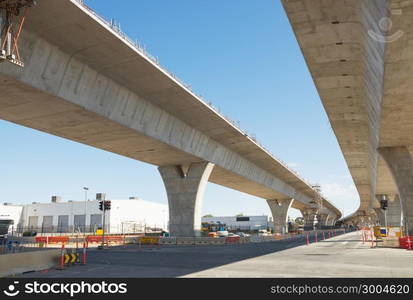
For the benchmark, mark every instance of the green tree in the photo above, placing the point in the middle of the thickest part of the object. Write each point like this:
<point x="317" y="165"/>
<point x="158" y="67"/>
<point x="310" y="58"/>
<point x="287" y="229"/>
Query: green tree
<point x="208" y="216"/>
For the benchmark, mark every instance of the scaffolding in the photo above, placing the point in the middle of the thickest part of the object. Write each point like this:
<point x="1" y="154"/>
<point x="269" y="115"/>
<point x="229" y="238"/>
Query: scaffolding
<point x="12" y="16"/>
<point x="318" y="198"/>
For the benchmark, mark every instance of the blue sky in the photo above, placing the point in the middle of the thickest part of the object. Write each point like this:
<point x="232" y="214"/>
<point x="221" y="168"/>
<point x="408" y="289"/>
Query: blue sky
<point x="239" y="54"/>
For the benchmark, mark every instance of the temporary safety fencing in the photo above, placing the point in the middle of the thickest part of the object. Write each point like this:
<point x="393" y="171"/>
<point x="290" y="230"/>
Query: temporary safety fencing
<point x="203" y="240"/>
<point x="96" y="239"/>
<point x="264" y="238"/>
<point x="167" y="241"/>
<point x="52" y="239"/>
<point x="185" y="241"/>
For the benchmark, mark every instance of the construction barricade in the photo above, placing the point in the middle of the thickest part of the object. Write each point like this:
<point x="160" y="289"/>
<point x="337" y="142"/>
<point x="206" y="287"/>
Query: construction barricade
<point x="185" y="241"/>
<point x="52" y="239"/>
<point x="203" y="240"/>
<point x="149" y="240"/>
<point x="217" y="241"/>
<point x="406" y="242"/>
<point x="97" y="239"/>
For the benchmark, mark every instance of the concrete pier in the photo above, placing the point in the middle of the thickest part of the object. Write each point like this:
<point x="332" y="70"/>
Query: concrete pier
<point x="279" y="211"/>
<point x="185" y="187"/>
<point x="400" y="164"/>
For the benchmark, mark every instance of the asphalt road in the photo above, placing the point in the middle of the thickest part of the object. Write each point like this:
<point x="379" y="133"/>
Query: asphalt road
<point x="341" y="256"/>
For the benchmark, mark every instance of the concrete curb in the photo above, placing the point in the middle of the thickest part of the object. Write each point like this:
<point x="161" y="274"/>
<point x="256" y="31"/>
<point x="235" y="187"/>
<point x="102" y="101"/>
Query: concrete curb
<point x="18" y="263"/>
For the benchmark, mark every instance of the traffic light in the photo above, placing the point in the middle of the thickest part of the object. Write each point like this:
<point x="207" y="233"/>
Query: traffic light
<point x="100" y="205"/>
<point x="107" y="205"/>
<point x="383" y="204"/>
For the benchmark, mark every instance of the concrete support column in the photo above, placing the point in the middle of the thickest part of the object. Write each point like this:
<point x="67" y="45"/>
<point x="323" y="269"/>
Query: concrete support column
<point x="394" y="212"/>
<point x="185" y="186"/>
<point x="309" y="216"/>
<point x="279" y="211"/>
<point x="400" y="164"/>
<point x="331" y="221"/>
<point x="322" y="221"/>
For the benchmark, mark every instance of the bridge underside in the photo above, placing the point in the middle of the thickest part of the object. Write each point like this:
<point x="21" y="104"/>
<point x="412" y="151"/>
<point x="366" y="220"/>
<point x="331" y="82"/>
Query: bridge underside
<point x="83" y="82"/>
<point x="362" y="71"/>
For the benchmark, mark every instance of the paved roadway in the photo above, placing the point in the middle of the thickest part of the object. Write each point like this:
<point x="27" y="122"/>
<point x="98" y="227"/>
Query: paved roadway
<point x="341" y="256"/>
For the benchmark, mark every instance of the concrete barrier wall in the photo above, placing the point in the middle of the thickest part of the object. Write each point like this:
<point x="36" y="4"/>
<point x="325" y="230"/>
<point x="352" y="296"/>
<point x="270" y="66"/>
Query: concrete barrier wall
<point x="18" y="263"/>
<point x="167" y="241"/>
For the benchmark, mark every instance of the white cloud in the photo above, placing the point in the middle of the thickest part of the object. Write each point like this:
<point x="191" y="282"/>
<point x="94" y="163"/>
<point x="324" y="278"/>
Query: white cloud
<point x="343" y="195"/>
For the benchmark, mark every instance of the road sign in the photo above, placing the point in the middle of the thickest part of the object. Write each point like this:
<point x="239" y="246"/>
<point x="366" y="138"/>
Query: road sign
<point x="71" y="258"/>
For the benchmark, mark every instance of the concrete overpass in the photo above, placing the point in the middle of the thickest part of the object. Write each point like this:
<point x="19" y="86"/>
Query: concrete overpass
<point x="359" y="53"/>
<point x="84" y="81"/>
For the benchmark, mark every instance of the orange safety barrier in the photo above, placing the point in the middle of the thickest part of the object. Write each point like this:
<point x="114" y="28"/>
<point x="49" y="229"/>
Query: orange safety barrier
<point x="406" y="242"/>
<point x="52" y="239"/>
<point x="149" y="240"/>
<point x="98" y="238"/>
<point x="41" y="239"/>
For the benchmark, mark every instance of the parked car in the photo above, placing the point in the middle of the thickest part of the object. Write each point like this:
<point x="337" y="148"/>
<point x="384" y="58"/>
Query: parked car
<point x="232" y="235"/>
<point x="242" y="234"/>
<point x="222" y="233"/>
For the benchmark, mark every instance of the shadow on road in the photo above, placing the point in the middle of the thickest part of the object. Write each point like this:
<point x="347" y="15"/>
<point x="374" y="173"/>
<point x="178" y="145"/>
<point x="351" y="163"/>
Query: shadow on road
<point x="168" y="261"/>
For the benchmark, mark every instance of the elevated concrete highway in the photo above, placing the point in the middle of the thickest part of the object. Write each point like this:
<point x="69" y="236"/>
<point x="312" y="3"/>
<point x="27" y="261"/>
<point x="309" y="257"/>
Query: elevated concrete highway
<point x="84" y="81"/>
<point x="359" y="53"/>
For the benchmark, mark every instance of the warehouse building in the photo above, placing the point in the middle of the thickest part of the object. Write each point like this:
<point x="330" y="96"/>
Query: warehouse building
<point x="242" y="223"/>
<point x="125" y="216"/>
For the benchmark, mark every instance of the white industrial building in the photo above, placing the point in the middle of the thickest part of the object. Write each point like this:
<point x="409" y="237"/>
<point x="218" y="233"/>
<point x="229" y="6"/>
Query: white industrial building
<point x="125" y="216"/>
<point x="242" y="223"/>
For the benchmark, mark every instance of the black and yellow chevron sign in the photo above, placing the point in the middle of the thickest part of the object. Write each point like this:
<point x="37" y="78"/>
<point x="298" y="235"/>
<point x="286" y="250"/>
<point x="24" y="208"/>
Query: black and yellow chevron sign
<point x="71" y="258"/>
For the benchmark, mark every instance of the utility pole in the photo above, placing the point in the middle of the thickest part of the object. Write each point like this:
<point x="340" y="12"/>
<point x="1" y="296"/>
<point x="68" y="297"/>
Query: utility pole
<point x="383" y="206"/>
<point x="86" y="189"/>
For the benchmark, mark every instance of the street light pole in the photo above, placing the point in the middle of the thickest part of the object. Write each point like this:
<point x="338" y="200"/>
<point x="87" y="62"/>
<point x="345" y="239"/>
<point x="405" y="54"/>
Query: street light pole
<point x="86" y="189"/>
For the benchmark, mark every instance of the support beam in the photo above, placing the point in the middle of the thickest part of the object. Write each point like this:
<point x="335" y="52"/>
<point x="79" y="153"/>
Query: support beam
<point x="400" y="164"/>
<point x="279" y="210"/>
<point x="309" y="216"/>
<point x="185" y="188"/>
